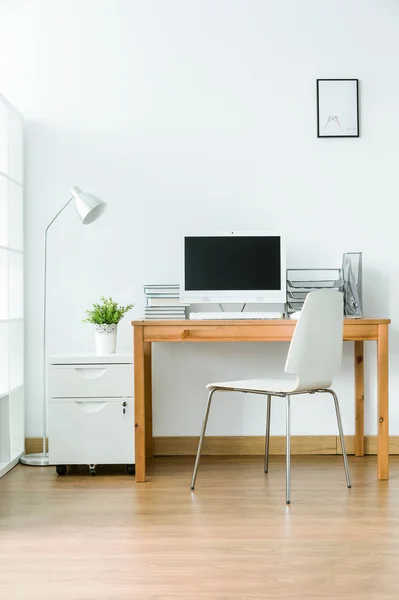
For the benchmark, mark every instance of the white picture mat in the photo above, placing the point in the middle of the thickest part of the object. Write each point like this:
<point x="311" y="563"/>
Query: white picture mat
<point x="337" y="108"/>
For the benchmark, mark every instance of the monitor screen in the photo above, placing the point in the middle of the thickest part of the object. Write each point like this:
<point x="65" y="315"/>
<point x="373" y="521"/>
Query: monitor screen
<point x="232" y="263"/>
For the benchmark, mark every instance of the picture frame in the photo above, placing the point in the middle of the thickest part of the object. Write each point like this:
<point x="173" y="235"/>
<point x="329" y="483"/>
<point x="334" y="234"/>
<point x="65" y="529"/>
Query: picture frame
<point x="337" y="108"/>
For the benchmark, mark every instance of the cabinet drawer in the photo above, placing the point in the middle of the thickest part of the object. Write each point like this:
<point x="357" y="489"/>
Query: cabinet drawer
<point x="94" y="431"/>
<point x="90" y="381"/>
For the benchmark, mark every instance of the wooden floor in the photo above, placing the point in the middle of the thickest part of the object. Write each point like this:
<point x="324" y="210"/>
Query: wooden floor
<point x="104" y="537"/>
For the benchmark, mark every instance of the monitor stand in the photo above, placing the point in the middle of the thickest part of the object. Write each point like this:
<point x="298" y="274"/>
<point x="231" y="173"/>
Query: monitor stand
<point x="242" y="310"/>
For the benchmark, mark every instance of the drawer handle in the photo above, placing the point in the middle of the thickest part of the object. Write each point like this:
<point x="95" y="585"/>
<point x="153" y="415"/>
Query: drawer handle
<point x="86" y="373"/>
<point x="91" y="407"/>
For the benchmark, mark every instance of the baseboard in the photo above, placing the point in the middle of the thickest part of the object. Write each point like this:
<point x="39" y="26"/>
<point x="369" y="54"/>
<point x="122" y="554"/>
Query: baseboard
<point x="244" y="445"/>
<point x="250" y="445"/>
<point x="370" y="444"/>
<point x="34" y="445"/>
<point x="255" y="445"/>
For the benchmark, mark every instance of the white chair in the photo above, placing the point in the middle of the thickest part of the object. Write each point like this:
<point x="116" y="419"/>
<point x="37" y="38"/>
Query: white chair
<point x="314" y="357"/>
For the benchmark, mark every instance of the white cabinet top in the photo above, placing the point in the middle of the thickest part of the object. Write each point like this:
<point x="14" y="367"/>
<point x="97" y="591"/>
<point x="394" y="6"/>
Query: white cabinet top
<point x="88" y="358"/>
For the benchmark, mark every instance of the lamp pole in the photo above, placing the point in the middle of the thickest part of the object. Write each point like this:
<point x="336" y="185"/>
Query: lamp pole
<point x="44" y="357"/>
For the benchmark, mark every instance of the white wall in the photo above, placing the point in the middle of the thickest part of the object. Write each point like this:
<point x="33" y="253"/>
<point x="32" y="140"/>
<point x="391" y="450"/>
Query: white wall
<point x="190" y="114"/>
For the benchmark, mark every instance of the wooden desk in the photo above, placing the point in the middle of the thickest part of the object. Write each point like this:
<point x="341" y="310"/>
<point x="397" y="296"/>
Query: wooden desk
<point x="357" y="330"/>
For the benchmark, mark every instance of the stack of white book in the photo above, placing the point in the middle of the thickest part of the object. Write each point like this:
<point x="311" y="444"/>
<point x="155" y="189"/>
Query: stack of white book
<point x="163" y="302"/>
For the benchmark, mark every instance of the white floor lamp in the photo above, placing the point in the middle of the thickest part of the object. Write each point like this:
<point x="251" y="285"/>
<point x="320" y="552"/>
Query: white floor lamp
<point x="89" y="208"/>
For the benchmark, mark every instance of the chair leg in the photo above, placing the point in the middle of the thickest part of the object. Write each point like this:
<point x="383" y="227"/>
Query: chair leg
<point x="341" y="435"/>
<point x="267" y="441"/>
<point x="288" y="450"/>
<point x="201" y="440"/>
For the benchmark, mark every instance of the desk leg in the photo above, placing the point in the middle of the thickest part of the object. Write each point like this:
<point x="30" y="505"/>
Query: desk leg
<point x="139" y="402"/>
<point x="148" y="400"/>
<point x="383" y="434"/>
<point x="359" y="398"/>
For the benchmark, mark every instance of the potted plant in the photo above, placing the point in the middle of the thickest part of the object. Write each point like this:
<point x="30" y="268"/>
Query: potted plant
<point x="105" y="317"/>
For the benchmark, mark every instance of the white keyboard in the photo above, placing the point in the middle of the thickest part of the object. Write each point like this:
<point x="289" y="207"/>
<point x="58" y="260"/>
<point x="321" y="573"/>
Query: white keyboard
<point x="204" y="316"/>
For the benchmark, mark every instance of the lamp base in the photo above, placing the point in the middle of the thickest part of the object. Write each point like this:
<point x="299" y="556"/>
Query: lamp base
<point x="35" y="460"/>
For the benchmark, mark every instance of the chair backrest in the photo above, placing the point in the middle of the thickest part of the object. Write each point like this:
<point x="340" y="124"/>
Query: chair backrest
<point x="315" y="353"/>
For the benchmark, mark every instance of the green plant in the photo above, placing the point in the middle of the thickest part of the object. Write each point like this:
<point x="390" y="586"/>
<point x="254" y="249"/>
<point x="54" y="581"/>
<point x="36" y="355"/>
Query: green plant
<point x="108" y="312"/>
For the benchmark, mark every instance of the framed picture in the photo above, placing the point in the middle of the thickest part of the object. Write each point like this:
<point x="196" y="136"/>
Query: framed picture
<point x="337" y="108"/>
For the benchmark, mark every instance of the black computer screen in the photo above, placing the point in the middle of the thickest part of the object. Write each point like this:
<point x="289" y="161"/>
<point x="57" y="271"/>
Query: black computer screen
<point x="232" y="263"/>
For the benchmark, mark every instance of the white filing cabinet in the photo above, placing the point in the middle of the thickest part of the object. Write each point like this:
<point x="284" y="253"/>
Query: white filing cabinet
<point x="90" y="410"/>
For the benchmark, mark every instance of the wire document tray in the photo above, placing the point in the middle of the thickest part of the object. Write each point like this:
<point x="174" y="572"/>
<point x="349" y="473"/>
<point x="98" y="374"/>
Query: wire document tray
<point x="346" y="279"/>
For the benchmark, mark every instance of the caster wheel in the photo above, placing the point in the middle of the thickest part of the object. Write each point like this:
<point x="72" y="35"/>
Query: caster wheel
<point x="131" y="469"/>
<point x="61" y="469"/>
<point x="92" y="469"/>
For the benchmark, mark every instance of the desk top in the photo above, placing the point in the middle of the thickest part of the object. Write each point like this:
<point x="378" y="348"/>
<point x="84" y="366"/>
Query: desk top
<point x="243" y="322"/>
<point x="244" y="330"/>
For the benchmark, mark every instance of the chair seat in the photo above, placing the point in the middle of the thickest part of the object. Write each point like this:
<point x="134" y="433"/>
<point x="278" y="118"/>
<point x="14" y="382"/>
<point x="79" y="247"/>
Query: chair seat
<point x="283" y="383"/>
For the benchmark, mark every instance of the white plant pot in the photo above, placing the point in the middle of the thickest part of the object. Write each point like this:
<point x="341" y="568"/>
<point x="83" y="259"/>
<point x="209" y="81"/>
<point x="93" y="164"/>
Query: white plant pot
<point x="105" y="339"/>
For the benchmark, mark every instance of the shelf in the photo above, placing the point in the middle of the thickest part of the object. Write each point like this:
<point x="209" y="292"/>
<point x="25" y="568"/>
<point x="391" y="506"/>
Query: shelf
<point x="14" y="460"/>
<point x="4" y="358"/>
<point x="16" y="285"/>
<point x="3" y="137"/>
<point x="2" y="174"/>
<point x="8" y="392"/>
<point x="15" y="147"/>
<point x="11" y="249"/>
<point x="11" y="287"/>
<point x="15" y="216"/>
<point x="3" y="212"/>
<point x="16" y="356"/>
<point x="11" y="320"/>
<point x="4" y="284"/>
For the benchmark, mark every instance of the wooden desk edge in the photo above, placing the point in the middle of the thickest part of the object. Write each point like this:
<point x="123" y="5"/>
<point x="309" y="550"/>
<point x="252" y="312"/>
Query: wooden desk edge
<point x="198" y="323"/>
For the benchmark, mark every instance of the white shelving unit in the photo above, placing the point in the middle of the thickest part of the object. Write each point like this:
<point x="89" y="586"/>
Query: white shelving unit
<point x="12" y="429"/>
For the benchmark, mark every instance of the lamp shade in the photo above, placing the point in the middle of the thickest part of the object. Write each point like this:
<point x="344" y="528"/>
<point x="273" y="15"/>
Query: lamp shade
<point x="88" y="207"/>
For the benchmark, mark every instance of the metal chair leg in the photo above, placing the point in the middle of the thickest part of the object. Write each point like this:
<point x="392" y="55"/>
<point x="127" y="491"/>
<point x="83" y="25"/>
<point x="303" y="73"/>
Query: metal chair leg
<point x="341" y="435"/>
<point x="288" y="451"/>
<point x="201" y="440"/>
<point x="267" y="441"/>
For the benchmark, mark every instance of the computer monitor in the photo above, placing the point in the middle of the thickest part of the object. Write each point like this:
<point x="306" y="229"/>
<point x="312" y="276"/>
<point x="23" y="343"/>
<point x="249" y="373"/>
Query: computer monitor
<point x="234" y="266"/>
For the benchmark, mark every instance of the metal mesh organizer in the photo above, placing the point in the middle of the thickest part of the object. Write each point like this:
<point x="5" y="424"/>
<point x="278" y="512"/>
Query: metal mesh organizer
<point x="346" y="279"/>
